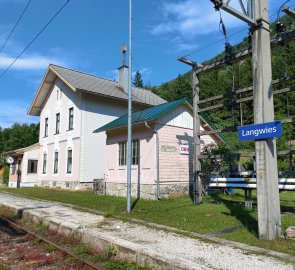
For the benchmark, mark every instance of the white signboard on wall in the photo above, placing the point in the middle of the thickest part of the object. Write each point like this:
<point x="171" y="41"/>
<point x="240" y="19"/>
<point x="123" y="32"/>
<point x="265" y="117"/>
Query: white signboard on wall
<point x="184" y="149"/>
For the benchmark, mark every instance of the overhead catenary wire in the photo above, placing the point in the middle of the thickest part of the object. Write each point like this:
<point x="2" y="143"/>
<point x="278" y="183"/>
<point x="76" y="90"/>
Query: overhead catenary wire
<point x="230" y="35"/>
<point x="33" y="40"/>
<point x="280" y="9"/>
<point x="15" y="25"/>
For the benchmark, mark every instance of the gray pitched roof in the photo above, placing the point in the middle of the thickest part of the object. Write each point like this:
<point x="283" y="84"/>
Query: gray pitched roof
<point x="91" y="84"/>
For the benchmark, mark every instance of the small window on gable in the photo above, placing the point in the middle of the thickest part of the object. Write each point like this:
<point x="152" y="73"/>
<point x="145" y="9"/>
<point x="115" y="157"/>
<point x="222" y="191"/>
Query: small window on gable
<point x="71" y="118"/>
<point x="57" y="123"/>
<point x="57" y="94"/>
<point x="46" y="127"/>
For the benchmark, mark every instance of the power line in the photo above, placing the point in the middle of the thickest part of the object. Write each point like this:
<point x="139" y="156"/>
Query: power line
<point x="15" y="25"/>
<point x="280" y="9"/>
<point x="220" y="40"/>
<point x="32" y="41"/>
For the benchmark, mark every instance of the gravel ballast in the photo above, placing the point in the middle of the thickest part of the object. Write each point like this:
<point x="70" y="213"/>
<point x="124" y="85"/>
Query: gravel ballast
<point x="137" y="242"/>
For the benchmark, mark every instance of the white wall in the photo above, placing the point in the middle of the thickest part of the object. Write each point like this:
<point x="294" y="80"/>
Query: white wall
<point x="97" y="111"/>
<point x="29" y="178"/>
<point x="179" y="117"/>
<point x="60" y="99"/>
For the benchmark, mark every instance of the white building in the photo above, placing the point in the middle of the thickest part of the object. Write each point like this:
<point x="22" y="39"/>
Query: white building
<point x="71" y="105"/>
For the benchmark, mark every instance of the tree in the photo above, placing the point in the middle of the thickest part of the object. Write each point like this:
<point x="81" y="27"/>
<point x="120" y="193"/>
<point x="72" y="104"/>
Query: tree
<point x="18" y="136"/>
<point x="138" y="82"/>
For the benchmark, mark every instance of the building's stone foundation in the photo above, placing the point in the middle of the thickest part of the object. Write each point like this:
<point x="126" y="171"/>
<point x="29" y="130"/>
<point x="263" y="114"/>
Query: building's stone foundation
<point x="66" y="185"/>
<point x="147" y="191"/>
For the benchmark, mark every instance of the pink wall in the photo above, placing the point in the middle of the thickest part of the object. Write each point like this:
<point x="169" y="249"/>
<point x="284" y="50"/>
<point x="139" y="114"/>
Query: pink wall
<point x="175" y="167"/>
<point x="145" y="172"/>
<point x="62" y="166"/>
<point x="13" y="176"/>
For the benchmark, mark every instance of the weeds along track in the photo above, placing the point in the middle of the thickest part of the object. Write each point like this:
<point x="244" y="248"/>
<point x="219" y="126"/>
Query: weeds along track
<point x="15" y="241"/>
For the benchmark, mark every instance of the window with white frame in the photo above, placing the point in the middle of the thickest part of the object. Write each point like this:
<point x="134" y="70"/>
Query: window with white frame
<point x="32" y="166"/>
<point x="44" y="163"/>
<point x="71" y="118"/>
<point x="57" y="123"/>
<point x="123" y="153"/>
<point x="69" y="161"/>
<point x="46" y="127"/>
<point x="55" y="163"/>
<point x="135" y="152"/>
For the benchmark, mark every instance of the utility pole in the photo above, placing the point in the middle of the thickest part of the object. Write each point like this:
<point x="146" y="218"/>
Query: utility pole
<point x="268" y="200"/>
<point x="129" y="141"/>
<point x="256" y="15"/>
<point x="197" y="181"/>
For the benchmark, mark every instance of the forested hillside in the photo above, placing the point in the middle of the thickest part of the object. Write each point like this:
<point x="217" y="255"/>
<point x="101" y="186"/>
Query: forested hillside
<point x="221" y="82"/>
<point x="18" y="136"/>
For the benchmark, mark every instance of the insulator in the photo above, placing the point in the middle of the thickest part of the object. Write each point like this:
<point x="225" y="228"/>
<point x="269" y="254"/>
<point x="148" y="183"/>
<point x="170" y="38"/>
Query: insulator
<point x="217" y="4"/>
<point x="228" y="49"/>
<point x="280" y="28"/>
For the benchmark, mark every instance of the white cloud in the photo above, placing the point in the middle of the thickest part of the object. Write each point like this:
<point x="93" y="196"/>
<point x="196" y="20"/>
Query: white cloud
<point x="29" y="62"/>
<point x="112" y="75"/>
<point x="190" y="18"/>
<point x="145" y="73"/>
<point x="13" y="111"/>
<point x="182" y="46"/>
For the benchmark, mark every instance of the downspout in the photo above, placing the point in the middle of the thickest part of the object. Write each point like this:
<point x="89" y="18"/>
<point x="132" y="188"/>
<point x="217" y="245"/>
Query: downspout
<point x="157" y="158"/>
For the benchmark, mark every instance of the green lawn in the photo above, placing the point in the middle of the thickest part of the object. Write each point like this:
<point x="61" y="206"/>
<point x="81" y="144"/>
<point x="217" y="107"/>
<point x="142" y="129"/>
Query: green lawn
<point x="216" y="213"/>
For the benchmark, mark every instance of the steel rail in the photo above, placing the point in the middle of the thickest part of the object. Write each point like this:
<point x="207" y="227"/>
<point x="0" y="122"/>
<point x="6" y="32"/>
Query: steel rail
<point x="68" y="252"/>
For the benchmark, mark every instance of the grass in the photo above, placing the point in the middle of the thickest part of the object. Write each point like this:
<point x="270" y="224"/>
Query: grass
<point x="216" y="213"/>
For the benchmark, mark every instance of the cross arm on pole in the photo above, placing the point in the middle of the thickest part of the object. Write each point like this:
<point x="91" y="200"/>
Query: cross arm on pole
<point x="290" y="12"/>
<point x="243" y="15"/>
<point x="189" y="62"/>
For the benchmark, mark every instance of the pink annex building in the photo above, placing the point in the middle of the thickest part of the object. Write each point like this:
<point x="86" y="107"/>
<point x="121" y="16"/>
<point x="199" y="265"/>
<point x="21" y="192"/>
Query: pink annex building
<point x="70" y="105"/>
<point x="161" y="151"/>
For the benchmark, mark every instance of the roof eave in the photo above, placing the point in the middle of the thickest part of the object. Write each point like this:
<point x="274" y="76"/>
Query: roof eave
<point x="33" y="110"/>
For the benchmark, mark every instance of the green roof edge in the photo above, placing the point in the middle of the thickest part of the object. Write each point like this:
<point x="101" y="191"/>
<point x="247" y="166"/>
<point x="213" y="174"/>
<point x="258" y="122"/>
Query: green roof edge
<point x="109" y="125"/>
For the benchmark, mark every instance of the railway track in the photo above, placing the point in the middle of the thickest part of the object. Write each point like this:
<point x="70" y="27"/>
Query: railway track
<point x="19" y="235"/>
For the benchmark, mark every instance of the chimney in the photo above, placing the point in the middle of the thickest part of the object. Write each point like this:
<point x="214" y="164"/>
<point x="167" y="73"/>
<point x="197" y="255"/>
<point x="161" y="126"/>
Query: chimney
<point x="123" y="78"/>
<point x="123" y="70"/>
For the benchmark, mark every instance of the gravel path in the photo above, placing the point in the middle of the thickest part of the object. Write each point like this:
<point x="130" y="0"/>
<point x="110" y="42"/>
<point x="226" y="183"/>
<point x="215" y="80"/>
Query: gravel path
<point x="183" y="252"/>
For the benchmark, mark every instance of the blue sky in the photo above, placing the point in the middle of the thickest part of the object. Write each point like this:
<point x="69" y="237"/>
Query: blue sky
<point x="87" y="36"/>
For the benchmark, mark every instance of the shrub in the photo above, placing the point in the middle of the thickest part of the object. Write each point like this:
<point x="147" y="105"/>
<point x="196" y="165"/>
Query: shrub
<point x="6" y="175"/>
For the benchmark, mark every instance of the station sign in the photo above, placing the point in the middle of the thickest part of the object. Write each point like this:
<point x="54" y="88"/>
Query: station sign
<point x="260" y="131"/>
<point x="184" y="149"/>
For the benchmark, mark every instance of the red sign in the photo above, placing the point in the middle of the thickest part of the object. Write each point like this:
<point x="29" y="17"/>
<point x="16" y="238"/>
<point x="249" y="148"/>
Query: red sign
<point x="184" y="149"/>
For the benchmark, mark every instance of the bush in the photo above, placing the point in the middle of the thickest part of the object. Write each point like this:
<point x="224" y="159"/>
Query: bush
<point x="6" y="175"/>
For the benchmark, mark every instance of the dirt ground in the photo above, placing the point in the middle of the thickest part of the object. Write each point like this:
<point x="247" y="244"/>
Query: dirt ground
<point x="20" y="251"/>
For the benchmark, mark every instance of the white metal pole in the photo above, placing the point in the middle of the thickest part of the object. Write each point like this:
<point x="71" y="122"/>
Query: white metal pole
<point x="129" y="143"/>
